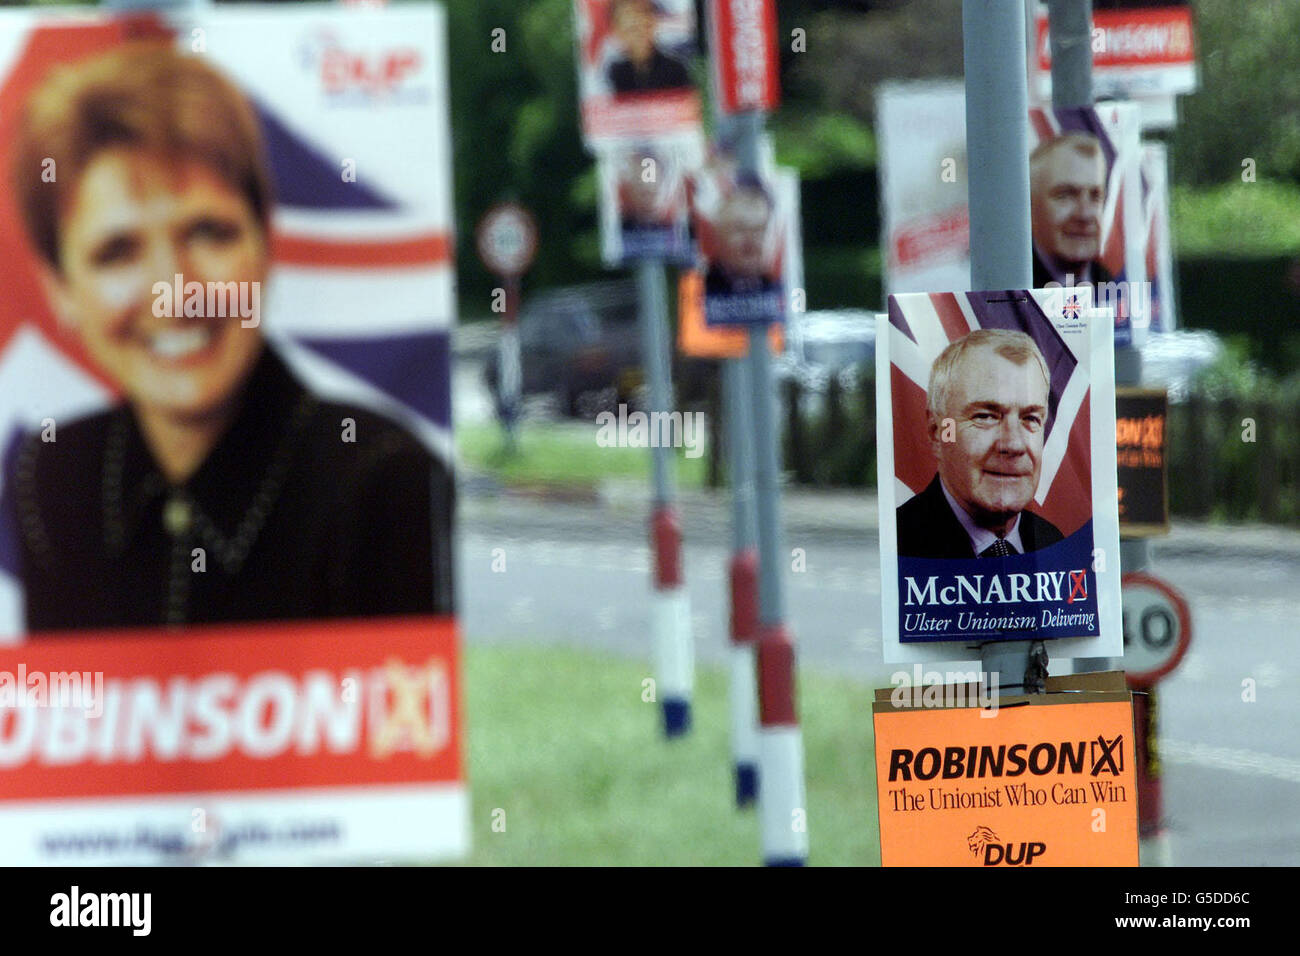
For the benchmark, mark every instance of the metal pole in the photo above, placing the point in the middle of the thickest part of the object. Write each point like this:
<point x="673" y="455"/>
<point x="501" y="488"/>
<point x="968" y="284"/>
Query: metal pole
<point x="670" y="605"/>
<point x="781" y="804"/>
<point x="743" y="573"/>
<point x="510" y="370"/>
<point x="742" y="570"/>
<point x="997" y="149"/>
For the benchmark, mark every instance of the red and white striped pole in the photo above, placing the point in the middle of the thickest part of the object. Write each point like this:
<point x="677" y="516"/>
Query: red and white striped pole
<point x="742" y="36"/>
<point x="670" y="608"/>
<point x="671" y="622"/>
<point x="743" y="575"/>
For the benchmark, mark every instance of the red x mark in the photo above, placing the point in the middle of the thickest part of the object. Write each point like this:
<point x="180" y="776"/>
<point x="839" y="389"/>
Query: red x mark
<point x="1078" y="586"/>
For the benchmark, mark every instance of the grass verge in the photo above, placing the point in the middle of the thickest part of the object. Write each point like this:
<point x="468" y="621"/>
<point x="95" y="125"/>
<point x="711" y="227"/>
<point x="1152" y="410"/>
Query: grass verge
<point x="564" y="453"/>
<point x="561" y="741"/>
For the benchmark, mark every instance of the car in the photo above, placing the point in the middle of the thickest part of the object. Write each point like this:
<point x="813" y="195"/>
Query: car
<point x="583" y="345"/>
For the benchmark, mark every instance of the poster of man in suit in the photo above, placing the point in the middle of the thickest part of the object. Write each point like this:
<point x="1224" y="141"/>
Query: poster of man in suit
<point x="998" y="516"/>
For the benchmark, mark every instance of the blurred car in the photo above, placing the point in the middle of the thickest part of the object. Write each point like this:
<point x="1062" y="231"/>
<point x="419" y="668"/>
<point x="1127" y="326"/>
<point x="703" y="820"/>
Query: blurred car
<point x="1174" y="359"/>
<point x="583" y="345"/>
<point x="840" y="342"/>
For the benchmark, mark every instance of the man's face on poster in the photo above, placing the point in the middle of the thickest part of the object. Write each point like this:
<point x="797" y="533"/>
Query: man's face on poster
<point x="742" y="227"/>
<point x="1066" y="201"/>
<point x="998" y="410"/>
<point x="634" y="26"/>
<point x="135" y="219"/>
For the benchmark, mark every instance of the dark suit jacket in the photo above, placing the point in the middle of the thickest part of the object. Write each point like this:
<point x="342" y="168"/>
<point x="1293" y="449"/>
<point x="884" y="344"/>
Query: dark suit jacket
<point x="927" y="528"/>
<point x="662" y="73"/>
<point x="1043" y="275"/>
<point x="295" y="522"/>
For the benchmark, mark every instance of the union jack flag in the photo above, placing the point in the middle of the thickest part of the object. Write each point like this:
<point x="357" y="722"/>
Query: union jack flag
<point x="921" y="325"/>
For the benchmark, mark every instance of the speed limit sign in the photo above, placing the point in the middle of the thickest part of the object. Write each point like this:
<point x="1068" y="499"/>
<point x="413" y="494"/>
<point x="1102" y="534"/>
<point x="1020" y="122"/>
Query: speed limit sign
<point x="507" y="239"/>
<point x="1157" y="628"/>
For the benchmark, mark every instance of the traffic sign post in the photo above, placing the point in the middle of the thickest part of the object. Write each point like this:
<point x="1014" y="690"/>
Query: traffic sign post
<point x="507" y="243"/>
<point x="1157" y="634"/>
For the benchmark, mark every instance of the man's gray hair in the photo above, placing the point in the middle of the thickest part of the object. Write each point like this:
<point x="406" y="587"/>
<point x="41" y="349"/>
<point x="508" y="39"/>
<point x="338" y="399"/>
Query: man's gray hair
<point x="1085" y="144"/>
<point x="1018" y="347"/>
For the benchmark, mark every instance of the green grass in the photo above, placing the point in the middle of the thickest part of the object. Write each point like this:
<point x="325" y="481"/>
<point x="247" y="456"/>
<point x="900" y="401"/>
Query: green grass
<point x="562" y="742"/>
<point x="564" y="452"/>
<point x="1237" y="219"/>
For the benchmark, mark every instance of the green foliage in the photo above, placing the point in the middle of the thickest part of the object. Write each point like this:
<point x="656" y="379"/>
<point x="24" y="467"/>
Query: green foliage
<point x="1248" y="103"/>
<point x="1237" y="219"/>
<point x="820" y="144"/>
<point x="515" y="135"/>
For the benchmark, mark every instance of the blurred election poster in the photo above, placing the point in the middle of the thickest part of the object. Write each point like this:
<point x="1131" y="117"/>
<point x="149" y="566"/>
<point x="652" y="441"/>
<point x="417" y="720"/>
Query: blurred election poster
<point x="1085" y="199"/>
<point x="921" y="129"/>
<point x="226" y="507"/>
<point x="695" y="337"/>
<point x="996" y="437"/>
<point x="1145" y="53"/>
<point x="634" y="81"/>
<point x="1159" y="238"/>
<point x="742" y="221"/>
<point x="644" y="212"/>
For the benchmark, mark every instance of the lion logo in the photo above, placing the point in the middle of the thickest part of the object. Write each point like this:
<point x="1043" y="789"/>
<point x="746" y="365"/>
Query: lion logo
<point x="980" y="839"/>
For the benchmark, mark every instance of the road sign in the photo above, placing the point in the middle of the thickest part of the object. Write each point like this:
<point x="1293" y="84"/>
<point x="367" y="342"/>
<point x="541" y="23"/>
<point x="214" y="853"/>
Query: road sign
<point x="507" y="239"/>
<point x="1157" y="628"/>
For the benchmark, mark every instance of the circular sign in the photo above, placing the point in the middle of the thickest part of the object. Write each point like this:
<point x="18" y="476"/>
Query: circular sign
<point x="1157" y="628"/>
<point x="507" y="239"/>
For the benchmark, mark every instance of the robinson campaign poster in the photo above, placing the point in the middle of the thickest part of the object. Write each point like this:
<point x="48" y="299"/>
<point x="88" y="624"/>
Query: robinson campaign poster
<point x="226" y="501"/>
<point x="997" y="489"/>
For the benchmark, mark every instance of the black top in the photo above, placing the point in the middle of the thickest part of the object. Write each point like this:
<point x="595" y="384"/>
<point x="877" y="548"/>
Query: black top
<point x="1043" y="275"/>
<point x="294" y="520"/>
<point x="663" y="72"/>
<point x="927" y="528"/>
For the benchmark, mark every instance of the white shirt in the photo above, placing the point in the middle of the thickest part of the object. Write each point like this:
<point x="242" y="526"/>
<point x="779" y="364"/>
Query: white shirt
<point x="981" y="538"/>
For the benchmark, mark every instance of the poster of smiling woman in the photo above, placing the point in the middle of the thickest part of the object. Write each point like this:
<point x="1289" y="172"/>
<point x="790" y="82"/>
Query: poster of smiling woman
<point x="996" y="436"/>
<point x="226" y="501"/>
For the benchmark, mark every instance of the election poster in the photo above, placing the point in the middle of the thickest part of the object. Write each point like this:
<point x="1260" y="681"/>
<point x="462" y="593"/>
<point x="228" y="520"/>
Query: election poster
<point x="634" y="79"/>
<point x="924" y="186"/>
<point x="1159" y="238"/>
<point x="226" y="501"/>
<point x="742" y="226"/>
<point x="997" y="490"/>
<point x="1033" y="781"/>
<point x="1136" y="53"/>
<point x="1086" y="199"/>
<point x="644" y="210"/>
<point x="1085" y="203"/>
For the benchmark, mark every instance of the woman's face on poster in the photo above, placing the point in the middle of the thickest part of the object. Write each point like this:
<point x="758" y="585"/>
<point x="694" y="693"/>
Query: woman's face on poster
<point x="135" y="220"/>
